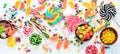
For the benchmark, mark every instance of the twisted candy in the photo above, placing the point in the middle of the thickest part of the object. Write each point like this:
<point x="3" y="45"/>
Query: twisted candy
<point x="107" y="11"/>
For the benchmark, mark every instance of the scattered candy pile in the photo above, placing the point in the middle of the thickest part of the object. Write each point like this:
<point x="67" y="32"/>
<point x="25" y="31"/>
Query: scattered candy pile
<point x="58" y="21"/>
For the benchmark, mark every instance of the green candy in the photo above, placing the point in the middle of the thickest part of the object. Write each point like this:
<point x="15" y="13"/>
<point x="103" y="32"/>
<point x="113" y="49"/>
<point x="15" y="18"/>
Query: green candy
<point x="81" y="36"/>
<point x="35" y="39"/>
<point x="83" y="28"/>
<point x="79" y="28"/>
<point x="89" y="27"/>
<point x="46" y="35"/>
<point x="2" y="29"/>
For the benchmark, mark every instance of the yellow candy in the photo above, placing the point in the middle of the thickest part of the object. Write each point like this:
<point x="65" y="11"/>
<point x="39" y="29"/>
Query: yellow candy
<point x="86" y="4"/>
<point x="28" y="2"/>
<point x="108" y="36"/>
<point x="11" y="42"/>
<point x="17" y="4"/>
<point x="28" y="10"/>
<point x="71" y="3"/>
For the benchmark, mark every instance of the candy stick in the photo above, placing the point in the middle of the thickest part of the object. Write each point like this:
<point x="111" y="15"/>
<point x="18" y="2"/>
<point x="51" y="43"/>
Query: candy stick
<point x="99" y="27"/>
<point x="62" y="30"/>
<point x="116" y="22"/>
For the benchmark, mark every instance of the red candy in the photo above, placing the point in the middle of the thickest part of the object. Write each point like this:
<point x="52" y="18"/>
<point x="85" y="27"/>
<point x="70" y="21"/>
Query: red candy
<point x="91" y="49"/>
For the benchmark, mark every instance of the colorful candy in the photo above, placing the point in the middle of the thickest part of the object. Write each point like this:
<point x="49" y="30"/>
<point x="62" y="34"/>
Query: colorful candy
<point x="107" y="11"/>
<point x="41" y="1"/>
<point x="84" y="32"/>
<point x="35" y="39"/>
<point x="91" y="49"/>
<point x="54" y="15"/>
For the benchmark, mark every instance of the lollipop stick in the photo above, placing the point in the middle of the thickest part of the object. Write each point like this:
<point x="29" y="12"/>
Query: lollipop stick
<point x="62" y="30"/>
<point x="116" y="22"/>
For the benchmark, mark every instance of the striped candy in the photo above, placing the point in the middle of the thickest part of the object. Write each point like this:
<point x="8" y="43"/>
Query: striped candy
<point x="107" y="11"/>
<point x="27" y="30"/>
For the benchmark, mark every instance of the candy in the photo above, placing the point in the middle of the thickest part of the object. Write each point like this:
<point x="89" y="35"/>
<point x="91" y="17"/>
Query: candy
<point x="17" y="4"/>
<point x="99" y="27"/>
<point x="27" y="30"/>
<point x="87" y="13"/>
<point x="84" y="34"/>
<point x="54" y="15"/>
<point x="91" y="49"/>
<point x="102" y="50"/>
<point x="11" y="42"/>
<point x="28" y="10"/>
<point x="40" y="8"/>
<point x="64" y="4"/>
<point x="35" y="39"/>
<point x="71" y="3"/>
<point x="59" y="44"/>
<point x="28" y="2"/>
<point x="108" y="36"/>
<point x="107" y="11"/>
<point x="41" y="1"/>
<point x="72" y="22"/>
<point x="65" y="44"/>
<point x="5" y="5"/>
<point x="54" y="38"/>
<point x="22" y="6"/>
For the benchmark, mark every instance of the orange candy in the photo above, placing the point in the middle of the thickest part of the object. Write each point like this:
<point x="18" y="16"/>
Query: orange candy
<point x="59" y="44"/>
<point x="65" y="44"/>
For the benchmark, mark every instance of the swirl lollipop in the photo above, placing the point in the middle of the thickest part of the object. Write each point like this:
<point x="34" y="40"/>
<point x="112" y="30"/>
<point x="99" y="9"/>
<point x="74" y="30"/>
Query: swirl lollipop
<point x="107" y="11"/>
<point x="54" y="15"/>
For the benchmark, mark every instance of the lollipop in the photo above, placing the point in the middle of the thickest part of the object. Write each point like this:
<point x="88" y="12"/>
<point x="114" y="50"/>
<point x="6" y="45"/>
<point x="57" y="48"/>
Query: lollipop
<point x="35" y="39"/>
<point x="72" y="22"/>
<point x="54" y="15"/>
<point x="107" y="11"/>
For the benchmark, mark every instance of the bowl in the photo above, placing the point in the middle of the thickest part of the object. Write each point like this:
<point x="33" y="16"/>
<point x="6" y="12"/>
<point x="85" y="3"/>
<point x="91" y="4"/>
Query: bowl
<point x="4" y="28"/>
<point x="112" y="34"/>
<point x="84" y="32"/>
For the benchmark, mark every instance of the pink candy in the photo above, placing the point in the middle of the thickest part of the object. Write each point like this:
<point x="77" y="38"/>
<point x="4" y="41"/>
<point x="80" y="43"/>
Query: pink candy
<point x="72" y="22"/>
<point x="41" y="1"/>
<point x="27" y="30"/>
<point x="91" y="49"/>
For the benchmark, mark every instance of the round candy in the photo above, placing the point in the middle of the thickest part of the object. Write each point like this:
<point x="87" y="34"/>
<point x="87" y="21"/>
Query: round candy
<point x="107" y="11"/>
<point x="35" y="39"/>
<point x="91" y="49"/>
<point x="54" y="15"/>
<point x="11" y="42"/>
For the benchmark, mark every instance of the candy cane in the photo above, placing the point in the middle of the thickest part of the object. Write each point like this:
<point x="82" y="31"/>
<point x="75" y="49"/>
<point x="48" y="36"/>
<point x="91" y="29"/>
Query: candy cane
<point x="27" y="31"/>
